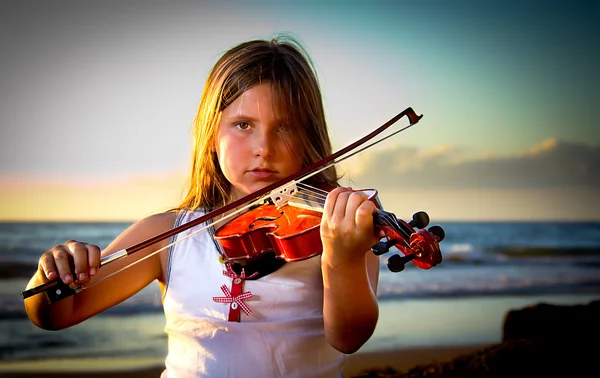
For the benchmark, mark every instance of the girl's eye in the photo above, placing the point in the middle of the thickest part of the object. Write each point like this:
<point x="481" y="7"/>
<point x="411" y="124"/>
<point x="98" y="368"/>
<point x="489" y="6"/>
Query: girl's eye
<point x="243" y="125"/>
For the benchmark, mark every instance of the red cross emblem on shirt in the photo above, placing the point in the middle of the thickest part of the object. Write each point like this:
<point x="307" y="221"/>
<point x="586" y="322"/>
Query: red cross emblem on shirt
<point x="236" y="295"/>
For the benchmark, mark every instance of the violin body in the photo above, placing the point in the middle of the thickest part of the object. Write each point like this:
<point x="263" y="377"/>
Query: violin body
<point x="291" y="232"/>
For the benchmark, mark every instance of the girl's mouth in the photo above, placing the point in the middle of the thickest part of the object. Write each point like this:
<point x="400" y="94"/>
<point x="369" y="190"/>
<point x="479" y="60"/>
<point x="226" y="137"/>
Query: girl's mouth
<point x="262" y="174"/>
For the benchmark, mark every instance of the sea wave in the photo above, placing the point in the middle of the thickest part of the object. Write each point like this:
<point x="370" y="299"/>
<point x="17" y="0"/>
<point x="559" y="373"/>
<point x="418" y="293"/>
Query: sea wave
<point x="14" y="265"/>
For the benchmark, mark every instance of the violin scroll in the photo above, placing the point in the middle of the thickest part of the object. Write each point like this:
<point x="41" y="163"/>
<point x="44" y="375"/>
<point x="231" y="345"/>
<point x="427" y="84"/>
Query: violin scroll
<point x="419" y="246"/>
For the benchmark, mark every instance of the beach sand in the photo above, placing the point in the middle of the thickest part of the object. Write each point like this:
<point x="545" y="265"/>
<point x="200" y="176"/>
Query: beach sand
<point x="400" y="360"/>
<point x="403" y="359"/>
<point x="449" y="332"/>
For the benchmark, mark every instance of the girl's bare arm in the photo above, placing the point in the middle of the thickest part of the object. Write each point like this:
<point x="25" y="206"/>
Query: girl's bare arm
<point x="107" y="293"/>
<point x="350" y="270"/>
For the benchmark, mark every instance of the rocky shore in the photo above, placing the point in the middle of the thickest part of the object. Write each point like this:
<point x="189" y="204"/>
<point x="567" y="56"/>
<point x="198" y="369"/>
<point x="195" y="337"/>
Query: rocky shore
<point x="540" y="340"/>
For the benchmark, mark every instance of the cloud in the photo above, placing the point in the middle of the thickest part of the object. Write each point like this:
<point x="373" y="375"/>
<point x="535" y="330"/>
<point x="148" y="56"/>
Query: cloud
<point x="551" y="164"/>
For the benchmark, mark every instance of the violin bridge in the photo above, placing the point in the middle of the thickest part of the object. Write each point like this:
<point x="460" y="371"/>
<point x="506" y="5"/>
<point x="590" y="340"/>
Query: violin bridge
<point x="282" y="195"/>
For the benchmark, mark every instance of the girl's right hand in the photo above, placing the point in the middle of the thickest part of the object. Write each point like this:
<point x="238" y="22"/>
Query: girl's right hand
<point x="74" y="262"/>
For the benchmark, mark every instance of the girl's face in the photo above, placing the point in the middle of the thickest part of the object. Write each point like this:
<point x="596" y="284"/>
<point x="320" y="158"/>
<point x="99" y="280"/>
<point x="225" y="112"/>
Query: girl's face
<point x="253" y="147"/>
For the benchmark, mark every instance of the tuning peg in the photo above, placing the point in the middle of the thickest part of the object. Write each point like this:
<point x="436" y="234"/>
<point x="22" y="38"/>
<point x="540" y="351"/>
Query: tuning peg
<point x="396" y="263"/>
<point x="438" y="232"/>
<point x="420" y="219"/>
<point x="384" y="247"/>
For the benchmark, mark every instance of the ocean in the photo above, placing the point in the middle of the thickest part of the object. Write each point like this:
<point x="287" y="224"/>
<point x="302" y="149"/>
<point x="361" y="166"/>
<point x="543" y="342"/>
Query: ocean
<point x="487" y="269"/>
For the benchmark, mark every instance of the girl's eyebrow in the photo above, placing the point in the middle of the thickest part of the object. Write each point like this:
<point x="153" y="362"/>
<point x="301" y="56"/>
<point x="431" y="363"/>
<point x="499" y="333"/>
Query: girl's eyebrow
<point x="241" y="117"/>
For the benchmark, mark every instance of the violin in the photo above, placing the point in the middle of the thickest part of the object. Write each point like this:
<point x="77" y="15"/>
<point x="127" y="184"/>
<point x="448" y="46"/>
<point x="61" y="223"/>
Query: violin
<point x="283" y="218"/>
<point x="287" y="225"/>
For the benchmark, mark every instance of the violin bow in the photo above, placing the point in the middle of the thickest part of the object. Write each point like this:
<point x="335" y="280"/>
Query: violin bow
<point x="56" y="289"/>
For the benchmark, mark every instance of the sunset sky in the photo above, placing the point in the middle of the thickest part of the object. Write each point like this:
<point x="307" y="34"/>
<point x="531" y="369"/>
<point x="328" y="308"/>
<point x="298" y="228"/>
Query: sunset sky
<point x="97" y="99"/>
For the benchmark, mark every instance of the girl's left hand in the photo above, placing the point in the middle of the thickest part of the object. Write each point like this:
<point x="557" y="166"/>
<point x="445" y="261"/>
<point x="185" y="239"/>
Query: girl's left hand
<point x="347" y="229"/>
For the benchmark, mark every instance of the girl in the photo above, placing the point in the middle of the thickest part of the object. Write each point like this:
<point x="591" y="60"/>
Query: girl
<point x="260" y="119"/>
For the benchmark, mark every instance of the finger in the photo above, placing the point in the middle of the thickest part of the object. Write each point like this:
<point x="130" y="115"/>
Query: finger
<point x="93" y="258"/>
<point x="80" y="256"/>
<point x="355" y="200"/>
<point x="341" y="204"/>
<point x="331" y="200"/>
<point x="47" y="266"/>
<point x="364" y="214"/>
<point x="62" y="259"/>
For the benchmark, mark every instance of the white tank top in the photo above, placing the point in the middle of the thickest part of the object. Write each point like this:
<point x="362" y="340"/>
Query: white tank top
<point x="282" y="337"/>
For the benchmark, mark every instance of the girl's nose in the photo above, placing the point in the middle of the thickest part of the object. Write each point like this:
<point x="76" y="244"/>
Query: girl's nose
<point x="263" y="145"/>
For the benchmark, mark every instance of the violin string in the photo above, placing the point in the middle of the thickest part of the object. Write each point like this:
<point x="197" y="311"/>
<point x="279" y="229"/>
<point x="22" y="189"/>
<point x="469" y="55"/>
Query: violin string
<point x="314" y="193"/>
<point x="313" y="189"/>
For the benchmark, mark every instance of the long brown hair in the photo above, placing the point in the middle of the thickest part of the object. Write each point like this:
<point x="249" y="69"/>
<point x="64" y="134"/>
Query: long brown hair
<point x="284" y="63"/>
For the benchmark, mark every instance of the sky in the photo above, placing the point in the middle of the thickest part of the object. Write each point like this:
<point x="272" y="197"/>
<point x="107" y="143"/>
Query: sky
<point x="97" y="100"/>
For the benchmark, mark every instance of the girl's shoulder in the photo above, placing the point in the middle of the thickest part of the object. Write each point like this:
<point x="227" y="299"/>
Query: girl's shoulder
<point x="152" y="226"/>
<point x="158" y="222"/>
<point x="146" y="228"/>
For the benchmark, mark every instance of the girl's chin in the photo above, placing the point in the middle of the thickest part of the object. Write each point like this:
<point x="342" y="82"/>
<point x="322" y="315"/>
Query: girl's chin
<point x="237" y="194"/>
